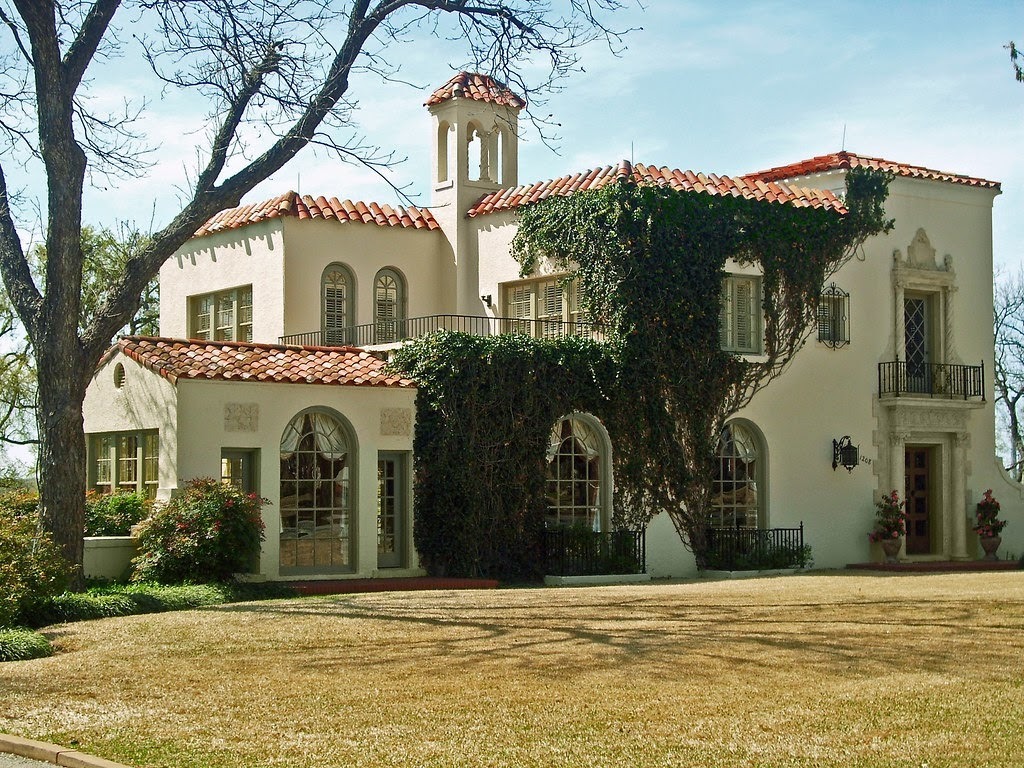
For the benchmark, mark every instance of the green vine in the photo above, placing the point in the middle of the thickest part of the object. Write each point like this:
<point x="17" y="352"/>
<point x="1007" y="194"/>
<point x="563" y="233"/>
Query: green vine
<point x="649" y="263"/>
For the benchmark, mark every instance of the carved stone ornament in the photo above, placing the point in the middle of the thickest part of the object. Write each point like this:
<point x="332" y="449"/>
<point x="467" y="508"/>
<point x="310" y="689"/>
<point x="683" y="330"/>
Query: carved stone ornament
<point x="396" y="422"/>
<point x="241" y="417"/>
<point x="928" y="419"/>
<point x="920" y="253"/>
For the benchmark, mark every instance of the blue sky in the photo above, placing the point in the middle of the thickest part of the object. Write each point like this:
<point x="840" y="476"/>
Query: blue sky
<point x="722" y="88"/>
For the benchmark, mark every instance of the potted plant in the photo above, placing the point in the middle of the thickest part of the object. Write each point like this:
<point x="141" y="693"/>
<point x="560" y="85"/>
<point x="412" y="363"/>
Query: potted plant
<point x="890" y="525"/>
<point x="988" y="526"/>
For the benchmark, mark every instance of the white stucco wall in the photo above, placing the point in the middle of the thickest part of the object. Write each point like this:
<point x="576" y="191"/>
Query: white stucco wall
<point x="252" y="255"/>
<point x="418" y="255"/>
<point x="204" y="431"/>
<point x="144" y="401"/>
<point x="828" y="393"/>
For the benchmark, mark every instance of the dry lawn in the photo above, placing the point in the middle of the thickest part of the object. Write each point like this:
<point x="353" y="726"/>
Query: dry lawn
<point x="815" y="670"/>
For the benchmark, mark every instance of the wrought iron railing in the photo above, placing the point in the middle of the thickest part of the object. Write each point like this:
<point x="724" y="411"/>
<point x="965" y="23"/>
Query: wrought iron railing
<point x="583" y="552"/>
<point x="390" y="331"/>
<point x="935" y="380"/>
<point x="755" y="549"/>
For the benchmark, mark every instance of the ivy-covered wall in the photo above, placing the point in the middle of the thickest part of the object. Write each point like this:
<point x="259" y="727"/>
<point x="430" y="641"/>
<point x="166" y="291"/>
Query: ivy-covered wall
<point x="485" y="410"/>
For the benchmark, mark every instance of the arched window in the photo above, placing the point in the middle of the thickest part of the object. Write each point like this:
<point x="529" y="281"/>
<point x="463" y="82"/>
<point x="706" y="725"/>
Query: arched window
<point x="388" y="306"/>
<point x="578" y="489"/>
<point x="738" y="499"/>
<point x="318" y="459"/>
<point x="337" y="303"/>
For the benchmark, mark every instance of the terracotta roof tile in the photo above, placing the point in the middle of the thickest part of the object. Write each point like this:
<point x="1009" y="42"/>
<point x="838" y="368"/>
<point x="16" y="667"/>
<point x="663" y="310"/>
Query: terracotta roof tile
<point x="845" y="160"/>
<point x="684" y="181"/>
<point x="246" y="361"/>
<point x="471" y="85"/>
<point x="307" y="207"/>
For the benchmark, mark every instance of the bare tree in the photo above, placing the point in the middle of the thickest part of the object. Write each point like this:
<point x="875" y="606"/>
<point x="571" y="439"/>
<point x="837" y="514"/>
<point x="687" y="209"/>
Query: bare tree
<point x="1008" y="323"/>
<point x="268" y="68"/>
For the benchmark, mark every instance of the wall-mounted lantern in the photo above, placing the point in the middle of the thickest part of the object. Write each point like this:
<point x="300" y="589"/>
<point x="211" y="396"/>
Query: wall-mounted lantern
<point x="486" y="299"/>
<point x="844" y="452"/>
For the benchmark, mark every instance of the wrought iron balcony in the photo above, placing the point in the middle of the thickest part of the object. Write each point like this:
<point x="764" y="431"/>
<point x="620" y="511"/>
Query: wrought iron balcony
<point x="899" y="378"/>
<point x="391" y="331"/>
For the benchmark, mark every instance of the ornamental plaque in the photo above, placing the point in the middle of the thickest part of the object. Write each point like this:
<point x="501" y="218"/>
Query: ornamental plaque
<point x="241" y="417"/>
<point x="396" y="422"/>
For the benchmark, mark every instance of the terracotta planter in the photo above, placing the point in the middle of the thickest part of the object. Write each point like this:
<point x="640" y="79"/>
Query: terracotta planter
<point x="990" y="545"/>
<point x="891" y="547"/>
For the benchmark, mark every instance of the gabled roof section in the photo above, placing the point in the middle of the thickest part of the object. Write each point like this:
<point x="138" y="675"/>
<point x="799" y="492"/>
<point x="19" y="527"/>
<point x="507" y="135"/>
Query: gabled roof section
<point x="846" y="160"/>
<point x="472" y="85"/>
<point x="245" y="361"/>
<point x="684" y="181"/>
<point x="308" y="207"/>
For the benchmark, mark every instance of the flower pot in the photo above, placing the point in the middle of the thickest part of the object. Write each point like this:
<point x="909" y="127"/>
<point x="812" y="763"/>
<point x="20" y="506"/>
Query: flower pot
<point x="891" y="548"/>
<point x="990" y="544"/>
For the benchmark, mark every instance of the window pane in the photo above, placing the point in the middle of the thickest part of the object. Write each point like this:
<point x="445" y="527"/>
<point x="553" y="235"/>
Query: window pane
<point x="245" y="314"/>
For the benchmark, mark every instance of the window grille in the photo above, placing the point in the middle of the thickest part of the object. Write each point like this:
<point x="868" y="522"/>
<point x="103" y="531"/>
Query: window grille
<point x="834" y="317"/>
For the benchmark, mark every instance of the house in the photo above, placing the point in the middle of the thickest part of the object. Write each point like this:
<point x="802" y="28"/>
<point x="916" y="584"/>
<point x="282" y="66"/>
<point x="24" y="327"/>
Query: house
<point x="262" y="371"/>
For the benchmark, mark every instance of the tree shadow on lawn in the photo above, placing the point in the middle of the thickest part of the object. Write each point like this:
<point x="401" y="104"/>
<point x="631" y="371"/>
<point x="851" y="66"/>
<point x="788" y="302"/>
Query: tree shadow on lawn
<point x="857" y="636"/>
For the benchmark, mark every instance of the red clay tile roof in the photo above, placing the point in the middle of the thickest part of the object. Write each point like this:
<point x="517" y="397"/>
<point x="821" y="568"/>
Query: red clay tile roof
<point x="245" y="361"/>
<point x="845" y="160"/>
<point x="685" y="181"/>
<point x="470" y="85"/>
<point x="307" y="207"/>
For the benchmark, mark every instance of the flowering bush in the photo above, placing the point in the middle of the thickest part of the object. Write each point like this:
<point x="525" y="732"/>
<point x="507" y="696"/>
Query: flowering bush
<point x="988" y="523"/>
<point x="114" y="514"/>
<point x="890" y="519"/>
<point x="208" y="532"/>
<point x="31" y="567"/>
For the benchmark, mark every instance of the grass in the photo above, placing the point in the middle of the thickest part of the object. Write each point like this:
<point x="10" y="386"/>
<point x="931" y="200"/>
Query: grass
<point x="814" y="670"/>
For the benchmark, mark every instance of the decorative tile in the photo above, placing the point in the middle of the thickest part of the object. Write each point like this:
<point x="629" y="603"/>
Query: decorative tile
<point x="241" y="417"/>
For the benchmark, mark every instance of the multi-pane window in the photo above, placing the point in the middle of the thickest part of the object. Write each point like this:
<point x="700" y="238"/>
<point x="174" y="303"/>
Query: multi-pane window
<point x="735" y="501"/>
<point x="834" y="317"/>
<point x="573" y="488"/>
<point x="222" y="316"/>
<point x="740" y="315"/>
<point x="542" y="307"/>
<point x="125" y="461"/>
<point x="317" y="460"/>
<point x="337" y="306"/>
<point x="388" y="306"/>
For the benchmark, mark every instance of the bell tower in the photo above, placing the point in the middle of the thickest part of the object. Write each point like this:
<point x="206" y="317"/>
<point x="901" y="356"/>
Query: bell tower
<point x="475" y="129"/>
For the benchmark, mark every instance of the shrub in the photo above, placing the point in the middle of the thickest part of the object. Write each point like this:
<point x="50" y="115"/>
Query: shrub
<point x="207" y="533"/>
<point x="31" y="567"/>
<point x="114" y="514"/>
<point x="131" y="599"/>
<point x="22" y="644"/>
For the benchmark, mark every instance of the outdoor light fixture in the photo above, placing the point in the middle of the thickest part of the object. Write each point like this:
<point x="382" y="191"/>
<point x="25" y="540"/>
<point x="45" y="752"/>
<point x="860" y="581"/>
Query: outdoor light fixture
<point x="486" y="299"/>
<point x="846" y="453"/>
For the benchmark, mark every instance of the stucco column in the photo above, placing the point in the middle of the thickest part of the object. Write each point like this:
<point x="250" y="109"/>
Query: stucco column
<point x="958" y="509"/>
<point x="897" y="463"/>
<point x="900" y="341"/>
<point x="947" y="326"/>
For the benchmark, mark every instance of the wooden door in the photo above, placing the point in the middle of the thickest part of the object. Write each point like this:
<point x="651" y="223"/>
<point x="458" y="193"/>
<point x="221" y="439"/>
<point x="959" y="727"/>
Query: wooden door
<point x="918" y="501"/>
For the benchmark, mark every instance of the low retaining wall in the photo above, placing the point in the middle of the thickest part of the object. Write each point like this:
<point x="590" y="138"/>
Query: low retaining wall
<point x="108" y="557"/>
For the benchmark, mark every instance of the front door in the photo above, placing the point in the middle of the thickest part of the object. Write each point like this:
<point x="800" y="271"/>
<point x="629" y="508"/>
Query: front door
<point x="390" y="509"/>
<point x="918" y="501"/>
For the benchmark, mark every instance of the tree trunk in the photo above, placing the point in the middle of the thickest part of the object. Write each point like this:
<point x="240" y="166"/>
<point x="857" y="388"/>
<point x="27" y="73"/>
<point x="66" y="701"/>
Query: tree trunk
<point x="62" y="453"/>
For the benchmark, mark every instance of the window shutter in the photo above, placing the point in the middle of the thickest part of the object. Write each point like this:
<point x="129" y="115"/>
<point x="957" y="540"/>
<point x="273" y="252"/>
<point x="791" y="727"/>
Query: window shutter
<point x="743" y="314"/>
<point x="725" y="315"/>
<point x="825" y="324"/>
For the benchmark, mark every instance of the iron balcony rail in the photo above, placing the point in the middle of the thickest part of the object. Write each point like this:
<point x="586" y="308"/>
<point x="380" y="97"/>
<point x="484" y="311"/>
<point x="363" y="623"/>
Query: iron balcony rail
<point x="583" y="552"/>
<point x="391" y="331"/>
<point x="754" y="549"/>
<point x="935" y="380"/>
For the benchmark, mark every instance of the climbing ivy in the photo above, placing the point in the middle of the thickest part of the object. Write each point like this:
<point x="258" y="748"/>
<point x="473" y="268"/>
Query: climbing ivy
<point x="648" y="262"/>
<point x="484" y="413"/>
